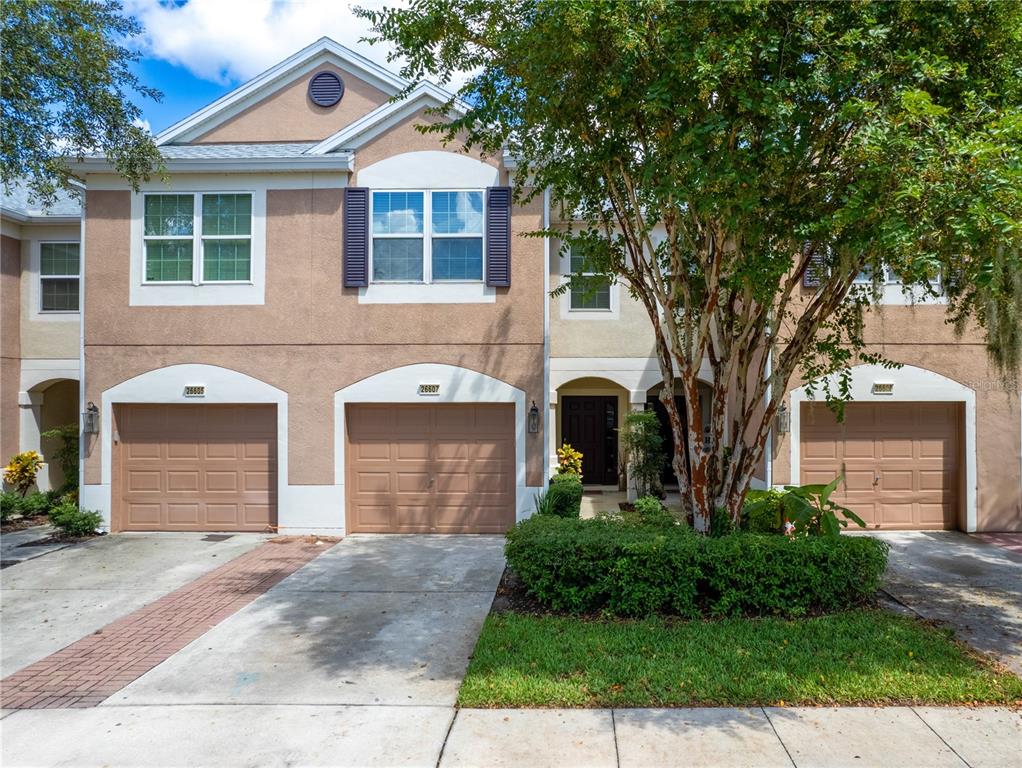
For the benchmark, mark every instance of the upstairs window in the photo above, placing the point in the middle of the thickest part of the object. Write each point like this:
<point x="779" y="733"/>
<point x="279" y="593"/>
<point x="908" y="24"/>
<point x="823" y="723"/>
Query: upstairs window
<point x="588" y="291"/>
<point x="427" y="237"/>
<point x="59" y="269"/>
<point x="198" y="238"/>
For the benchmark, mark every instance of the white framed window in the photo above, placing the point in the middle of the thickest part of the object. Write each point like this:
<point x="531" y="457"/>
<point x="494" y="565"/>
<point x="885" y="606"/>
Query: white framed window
<point x="195" y="238"/>
<point x="589" y="291"/>
<point x="59" y="277"/>
<point x="427" y="236"/>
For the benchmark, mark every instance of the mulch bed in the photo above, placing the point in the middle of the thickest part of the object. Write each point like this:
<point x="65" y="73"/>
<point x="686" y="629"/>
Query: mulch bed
<point x="57" y="538"/>
<point x="512" y="597"/>
<point x="21" y="523"/>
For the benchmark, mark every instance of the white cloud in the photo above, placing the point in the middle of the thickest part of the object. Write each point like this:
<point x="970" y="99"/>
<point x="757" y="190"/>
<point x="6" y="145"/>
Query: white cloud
<point x="230" y="41"/>
<point x="143" y="124"/>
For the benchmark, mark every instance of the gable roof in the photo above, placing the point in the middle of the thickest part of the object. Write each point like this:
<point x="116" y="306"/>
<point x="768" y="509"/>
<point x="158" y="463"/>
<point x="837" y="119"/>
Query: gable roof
<point x="286" y="72"/>
<point x="369" y="126"/>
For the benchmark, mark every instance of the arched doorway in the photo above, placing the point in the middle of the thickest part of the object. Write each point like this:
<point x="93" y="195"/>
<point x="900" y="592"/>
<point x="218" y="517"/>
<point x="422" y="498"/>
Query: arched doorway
<point x="50" y="404"/>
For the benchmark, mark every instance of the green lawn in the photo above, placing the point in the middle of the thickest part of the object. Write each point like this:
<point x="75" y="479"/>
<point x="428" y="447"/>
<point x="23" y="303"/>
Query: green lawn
<point x="859" y="657"/>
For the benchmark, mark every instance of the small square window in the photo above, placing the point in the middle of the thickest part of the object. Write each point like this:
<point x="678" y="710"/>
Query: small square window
<point x="59" y="268"/>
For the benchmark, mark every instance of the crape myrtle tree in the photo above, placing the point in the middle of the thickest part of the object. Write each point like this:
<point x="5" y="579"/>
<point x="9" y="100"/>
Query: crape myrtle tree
<point x="66" y="88"/>
<point x="709" y="155"/>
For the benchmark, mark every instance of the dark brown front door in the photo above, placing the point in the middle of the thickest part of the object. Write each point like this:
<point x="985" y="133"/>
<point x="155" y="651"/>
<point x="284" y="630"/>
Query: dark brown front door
<point x="589" y="425"/>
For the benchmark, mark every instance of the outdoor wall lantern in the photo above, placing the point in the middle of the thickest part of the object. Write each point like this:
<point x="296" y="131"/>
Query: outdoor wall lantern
<point x="783" y="420"/>
<point x="534" y="418"/>
<point x="90" y="419"/>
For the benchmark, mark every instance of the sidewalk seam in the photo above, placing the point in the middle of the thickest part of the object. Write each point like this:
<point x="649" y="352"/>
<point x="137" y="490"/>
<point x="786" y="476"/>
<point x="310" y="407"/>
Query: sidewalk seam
<point x="942" y="739"/>
<point x="613" y="728"/>
<point x="779" y="739"/>
<point x="443" y="746"/>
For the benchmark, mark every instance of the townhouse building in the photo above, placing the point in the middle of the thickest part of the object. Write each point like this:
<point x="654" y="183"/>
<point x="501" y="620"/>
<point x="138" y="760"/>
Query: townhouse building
<point x="326" y="321"/>
<point x="39" y="324"/>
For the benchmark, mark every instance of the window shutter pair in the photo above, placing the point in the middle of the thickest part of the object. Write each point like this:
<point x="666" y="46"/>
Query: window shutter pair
<point x="356" y="237"/>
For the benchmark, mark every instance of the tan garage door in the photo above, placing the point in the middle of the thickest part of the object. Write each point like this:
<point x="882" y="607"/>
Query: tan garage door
<point x="901" y="461"/>
<point x="430" y="468"/>
<point x="196" y="468"/>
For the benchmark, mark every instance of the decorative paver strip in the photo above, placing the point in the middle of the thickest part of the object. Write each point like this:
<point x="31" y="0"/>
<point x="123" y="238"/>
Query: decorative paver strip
<point x="94" y="668"/>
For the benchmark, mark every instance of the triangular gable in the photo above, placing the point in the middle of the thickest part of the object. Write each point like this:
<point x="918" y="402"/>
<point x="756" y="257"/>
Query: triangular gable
<point x="351" y="137"/>
<point x="323" y="51"/>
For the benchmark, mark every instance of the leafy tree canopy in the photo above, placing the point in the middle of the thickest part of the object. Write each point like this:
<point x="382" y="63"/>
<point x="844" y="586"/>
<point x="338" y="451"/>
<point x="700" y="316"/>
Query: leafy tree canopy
<point x="709" y="154"/>
<point x="65" y="80"/>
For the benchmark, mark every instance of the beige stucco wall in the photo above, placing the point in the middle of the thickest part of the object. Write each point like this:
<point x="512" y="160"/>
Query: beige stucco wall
<point x="289" y="115"/>
<point x="311" y="337"/>
<point x="50" y="336"/>
<point x="10" y="344"/>
<point x="918" y="336"/>
<point x="571" y="335"/>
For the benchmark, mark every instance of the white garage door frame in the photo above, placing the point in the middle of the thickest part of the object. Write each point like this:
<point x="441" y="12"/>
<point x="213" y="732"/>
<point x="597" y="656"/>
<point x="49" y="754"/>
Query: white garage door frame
<point x="911" y="384"/>
<point x="167" y="386"/>
<point x="456" y="385"/>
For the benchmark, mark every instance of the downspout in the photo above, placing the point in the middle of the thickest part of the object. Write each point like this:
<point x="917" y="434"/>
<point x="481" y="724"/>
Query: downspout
<point x="546" y="340"/>
<point x="769" y="448"/>
<point x="82" y="437"/>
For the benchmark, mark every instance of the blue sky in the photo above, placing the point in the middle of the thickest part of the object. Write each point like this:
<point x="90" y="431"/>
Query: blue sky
<point x="194" y="51"/>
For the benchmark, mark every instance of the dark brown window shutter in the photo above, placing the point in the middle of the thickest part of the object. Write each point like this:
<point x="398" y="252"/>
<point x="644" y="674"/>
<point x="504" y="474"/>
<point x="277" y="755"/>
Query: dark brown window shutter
<point x="498" y="236"/>
<point x="356" y="237"/>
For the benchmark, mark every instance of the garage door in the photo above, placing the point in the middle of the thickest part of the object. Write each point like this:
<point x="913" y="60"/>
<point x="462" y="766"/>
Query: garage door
<point x="196" y="467"/>
<point x="430" y="469"/>
<point x="900" y="460"/>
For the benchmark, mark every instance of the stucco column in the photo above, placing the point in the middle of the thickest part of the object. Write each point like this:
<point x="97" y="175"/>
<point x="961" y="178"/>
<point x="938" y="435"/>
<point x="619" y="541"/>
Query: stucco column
<point x="31" y="406"/>
<point x="636" y="404"/>
<point x="552" y="432"/>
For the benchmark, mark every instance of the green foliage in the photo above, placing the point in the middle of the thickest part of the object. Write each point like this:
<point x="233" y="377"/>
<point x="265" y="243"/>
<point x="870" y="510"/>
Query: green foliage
<point x="766" y="142"/>
<point x="644" y="451"/>
<point x="20" y="473"/>
<point x="9" y="505"/>
<point x="763" y="512"/>
<point x="72" y="521"/>
<point x="65" y="76"/>
<point x="542" y="504"/>
<point x="600" y="565"/>
<point x="66" y="454"/>
<point x="564" y="496"/>
<point x="650" y="511"/>
<point x="810" y="509"/>
<point x="29" y="505"/>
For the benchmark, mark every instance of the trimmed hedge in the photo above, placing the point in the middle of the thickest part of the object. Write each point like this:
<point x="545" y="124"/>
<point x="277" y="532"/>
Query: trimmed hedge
<point x="585" y="566"/>
<point x="565" y="495"/>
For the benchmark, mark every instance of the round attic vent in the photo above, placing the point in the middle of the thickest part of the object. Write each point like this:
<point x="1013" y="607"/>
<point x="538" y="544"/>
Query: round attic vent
<point x="326" y="89"/>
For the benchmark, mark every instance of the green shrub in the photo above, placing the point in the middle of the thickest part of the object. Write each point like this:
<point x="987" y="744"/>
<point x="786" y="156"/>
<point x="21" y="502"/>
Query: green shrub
<point x="763" y="512"/>
<point x="9" y="505"/>
<point x="650" y="511"/>
<point x="565" y="496"/>
<point x="73" y="521"/>
<point x="35" y="503"/>
<point x="601" y="565"/>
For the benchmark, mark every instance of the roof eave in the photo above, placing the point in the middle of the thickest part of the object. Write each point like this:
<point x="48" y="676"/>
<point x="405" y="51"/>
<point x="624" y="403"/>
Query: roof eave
<point x="343" y="162"/>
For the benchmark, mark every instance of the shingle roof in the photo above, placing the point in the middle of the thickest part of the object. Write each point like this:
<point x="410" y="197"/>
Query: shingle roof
<point x="20" y="201"/>
<point x="233" y="151"/>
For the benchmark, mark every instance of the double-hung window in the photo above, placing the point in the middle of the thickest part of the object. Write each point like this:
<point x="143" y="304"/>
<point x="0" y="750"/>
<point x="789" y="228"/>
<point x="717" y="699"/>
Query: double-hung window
<point x="59" y="269"/>
<point x="427" y="237"/>
<point x="198" y="238"/>
<point x="588" y="290"/>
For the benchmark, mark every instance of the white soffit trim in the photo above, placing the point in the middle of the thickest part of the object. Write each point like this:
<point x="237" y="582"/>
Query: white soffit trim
<point x="369" y="126"/>
<point x="322" y="51"/>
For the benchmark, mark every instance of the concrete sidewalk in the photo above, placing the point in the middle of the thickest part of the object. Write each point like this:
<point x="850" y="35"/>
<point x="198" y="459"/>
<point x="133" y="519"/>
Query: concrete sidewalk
<point x="279" y="735"/>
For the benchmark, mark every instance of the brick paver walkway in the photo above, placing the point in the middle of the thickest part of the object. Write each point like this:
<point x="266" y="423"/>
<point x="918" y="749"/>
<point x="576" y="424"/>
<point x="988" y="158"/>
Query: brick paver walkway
<point x="88" y="671"/>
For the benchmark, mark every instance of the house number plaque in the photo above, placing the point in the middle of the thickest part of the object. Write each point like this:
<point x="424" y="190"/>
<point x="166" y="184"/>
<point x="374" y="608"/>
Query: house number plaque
<point x="429" y="389"/>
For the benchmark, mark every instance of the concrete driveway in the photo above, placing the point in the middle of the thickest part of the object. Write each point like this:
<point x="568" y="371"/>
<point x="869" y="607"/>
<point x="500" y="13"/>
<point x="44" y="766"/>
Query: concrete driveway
<point x="50" y="602"/>
<point x="974" y="586"/>
<point x="374" y="620"/>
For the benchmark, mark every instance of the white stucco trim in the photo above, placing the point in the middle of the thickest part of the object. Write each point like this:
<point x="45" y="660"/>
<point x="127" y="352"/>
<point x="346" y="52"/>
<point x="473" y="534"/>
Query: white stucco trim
<point x="457" y="385"/>
<point x="432" y="169"/>
<point x="36" y="371"/>
<point x="166" y="385"/>
<point x="632" y="373"/>
<point x="35" y="312"/>
<point x="911" y="384"/>
<point x="428" y="293"/>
